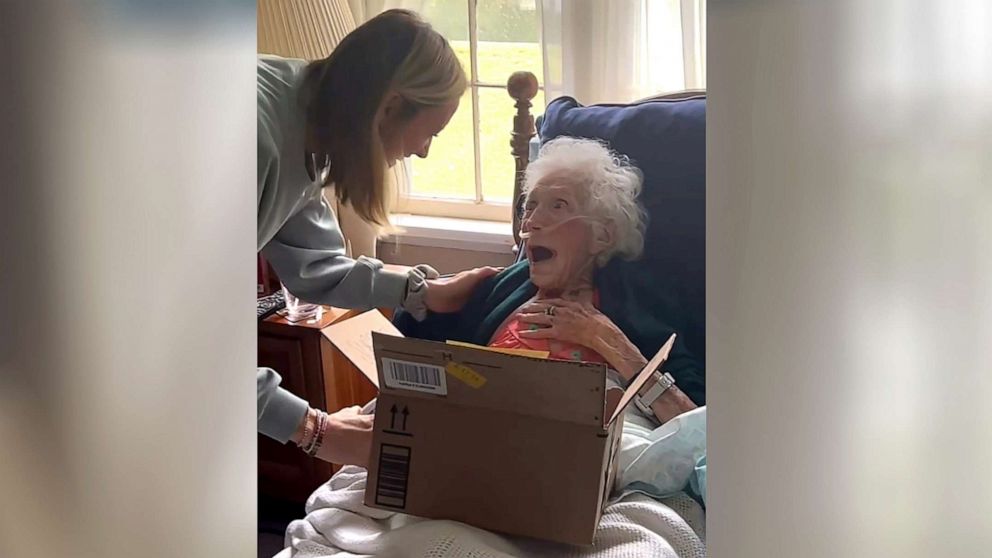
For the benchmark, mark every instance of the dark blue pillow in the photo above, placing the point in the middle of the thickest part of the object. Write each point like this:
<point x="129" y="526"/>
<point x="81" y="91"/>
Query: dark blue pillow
<point x="666" y="139"/>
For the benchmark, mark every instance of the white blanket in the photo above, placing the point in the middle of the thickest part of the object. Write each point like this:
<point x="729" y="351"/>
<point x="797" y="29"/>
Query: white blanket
<point x="339" y="525"/>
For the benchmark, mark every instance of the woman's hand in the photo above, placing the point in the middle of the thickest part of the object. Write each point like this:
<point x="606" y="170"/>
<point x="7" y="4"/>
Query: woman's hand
<point x="451" y="293"/>
<point x="571" y="322"/>
<point x="583" y="324"/>
<point x="348" y="438"/>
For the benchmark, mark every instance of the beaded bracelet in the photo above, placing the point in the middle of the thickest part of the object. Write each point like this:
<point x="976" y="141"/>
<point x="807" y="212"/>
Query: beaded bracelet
<point x="308" y="443"/>
<point x="319" y="438"/>
<point x="308" y="424"/>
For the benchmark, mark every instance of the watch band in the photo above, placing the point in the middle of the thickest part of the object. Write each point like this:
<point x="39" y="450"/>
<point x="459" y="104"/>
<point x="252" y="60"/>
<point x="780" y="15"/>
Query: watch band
<point x="662" y="383"/>
<point x="416" y="288"/>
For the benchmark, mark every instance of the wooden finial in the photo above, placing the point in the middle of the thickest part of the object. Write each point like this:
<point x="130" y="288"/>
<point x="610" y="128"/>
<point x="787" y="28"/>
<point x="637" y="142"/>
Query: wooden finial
<point x="522" y="86"/>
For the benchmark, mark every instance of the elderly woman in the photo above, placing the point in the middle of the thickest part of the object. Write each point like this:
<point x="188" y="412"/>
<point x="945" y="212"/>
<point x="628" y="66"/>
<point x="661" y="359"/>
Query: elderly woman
<point x="581" y="214"/>
<point x="581" y="211"/>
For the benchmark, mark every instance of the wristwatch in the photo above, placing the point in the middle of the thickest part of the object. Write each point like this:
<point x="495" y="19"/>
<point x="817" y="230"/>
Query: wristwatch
<point x="416" y="288"/>
<point x="662" y="382"/>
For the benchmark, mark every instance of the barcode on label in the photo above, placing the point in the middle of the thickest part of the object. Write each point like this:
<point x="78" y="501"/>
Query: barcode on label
<point x="400" y="374"/>
<point x="394" y="472"/>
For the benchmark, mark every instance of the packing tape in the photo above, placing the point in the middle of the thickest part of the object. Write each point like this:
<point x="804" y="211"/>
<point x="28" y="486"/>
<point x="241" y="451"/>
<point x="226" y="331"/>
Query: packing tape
<point x="465" y="374"/>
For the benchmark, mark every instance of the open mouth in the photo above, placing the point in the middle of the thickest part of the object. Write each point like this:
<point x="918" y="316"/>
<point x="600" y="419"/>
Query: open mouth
<point x="540" y="254"/>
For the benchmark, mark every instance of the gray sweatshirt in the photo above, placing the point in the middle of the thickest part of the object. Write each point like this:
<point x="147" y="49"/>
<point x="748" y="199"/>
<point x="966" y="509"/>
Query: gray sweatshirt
<point x="299" y="235"/>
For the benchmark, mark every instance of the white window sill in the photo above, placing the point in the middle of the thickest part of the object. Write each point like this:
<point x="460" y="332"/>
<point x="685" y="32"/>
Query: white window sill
<point x="453" y="233"/>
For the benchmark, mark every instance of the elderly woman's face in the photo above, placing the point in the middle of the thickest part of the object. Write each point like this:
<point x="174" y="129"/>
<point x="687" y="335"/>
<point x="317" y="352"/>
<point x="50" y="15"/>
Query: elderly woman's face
<point x="560" y="246"/>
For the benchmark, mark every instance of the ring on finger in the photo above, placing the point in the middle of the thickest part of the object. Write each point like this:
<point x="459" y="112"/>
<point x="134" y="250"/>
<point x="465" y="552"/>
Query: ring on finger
<point x="550" y="310"/>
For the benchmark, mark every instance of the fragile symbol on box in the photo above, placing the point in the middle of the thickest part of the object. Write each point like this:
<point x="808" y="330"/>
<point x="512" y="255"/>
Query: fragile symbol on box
<point x="401" y="374"/>
<point x="396" y="413"/>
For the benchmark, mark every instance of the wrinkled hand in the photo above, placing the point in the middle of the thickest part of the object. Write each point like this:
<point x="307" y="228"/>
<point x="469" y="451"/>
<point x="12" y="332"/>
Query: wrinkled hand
<point x="583" y="324"/>
<point x="348" y="438"/>
<point x="572" y="322"/>
<point x="451" y="293"/>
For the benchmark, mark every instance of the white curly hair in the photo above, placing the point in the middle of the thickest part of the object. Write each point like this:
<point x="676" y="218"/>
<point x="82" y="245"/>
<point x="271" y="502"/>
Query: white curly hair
<point x="610" y="186"/>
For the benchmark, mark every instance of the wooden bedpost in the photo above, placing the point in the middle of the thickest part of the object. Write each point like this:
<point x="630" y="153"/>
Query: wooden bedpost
<point x="522" y="86"/>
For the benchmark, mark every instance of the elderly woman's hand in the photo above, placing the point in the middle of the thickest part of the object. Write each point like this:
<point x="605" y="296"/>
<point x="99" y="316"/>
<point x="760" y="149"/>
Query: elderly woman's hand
<point x="572" y="322"/>
<point x="583" y="324"/>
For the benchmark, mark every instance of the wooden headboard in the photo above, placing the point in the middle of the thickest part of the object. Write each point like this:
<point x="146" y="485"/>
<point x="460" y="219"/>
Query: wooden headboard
<point x="522" y="87"/>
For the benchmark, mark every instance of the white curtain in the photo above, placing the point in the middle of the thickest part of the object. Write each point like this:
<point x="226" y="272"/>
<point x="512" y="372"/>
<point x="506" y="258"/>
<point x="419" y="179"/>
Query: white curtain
<point x="622" y="50"/>
<point x="613" y="51"/>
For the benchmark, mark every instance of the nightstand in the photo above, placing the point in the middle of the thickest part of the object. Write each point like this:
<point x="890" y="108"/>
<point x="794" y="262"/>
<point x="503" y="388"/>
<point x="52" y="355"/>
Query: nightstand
<point x="312" y="368"/>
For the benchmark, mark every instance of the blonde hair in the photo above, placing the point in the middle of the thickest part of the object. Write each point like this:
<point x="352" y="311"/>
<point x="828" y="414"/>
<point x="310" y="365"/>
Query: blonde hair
<point x="394" y="51"/>
<point x="609" y="186"/>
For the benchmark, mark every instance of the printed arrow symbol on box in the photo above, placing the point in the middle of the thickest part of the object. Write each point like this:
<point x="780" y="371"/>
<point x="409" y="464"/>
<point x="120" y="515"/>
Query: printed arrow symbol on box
<point x="406" y="413"/>
<point x="392" y="421"/>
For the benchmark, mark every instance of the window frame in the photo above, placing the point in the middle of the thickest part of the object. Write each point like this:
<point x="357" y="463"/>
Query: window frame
<point x="478" y="208"/>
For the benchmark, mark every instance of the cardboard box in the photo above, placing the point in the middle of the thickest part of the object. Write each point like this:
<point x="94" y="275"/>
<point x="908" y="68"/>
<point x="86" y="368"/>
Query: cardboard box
<point x="513" y="444"/>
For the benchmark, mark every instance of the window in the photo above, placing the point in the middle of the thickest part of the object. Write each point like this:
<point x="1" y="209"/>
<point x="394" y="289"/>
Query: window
<point x="469" y="171"/>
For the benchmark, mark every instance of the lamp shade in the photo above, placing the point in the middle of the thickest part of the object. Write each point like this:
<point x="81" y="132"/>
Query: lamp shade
<point x="307" y="29"/>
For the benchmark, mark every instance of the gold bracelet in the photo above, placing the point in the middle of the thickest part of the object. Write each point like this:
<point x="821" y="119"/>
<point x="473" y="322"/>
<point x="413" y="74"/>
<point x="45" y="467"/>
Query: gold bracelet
<point x="308" y="427"/>
<point x="313" y="431"/>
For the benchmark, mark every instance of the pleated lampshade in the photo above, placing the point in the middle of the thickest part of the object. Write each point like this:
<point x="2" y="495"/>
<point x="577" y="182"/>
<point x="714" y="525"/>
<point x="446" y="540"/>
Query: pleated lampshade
<point x="307" y="29"/>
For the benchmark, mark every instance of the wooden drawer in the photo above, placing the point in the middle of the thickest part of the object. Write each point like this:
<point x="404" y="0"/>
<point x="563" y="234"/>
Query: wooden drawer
<point x="312" y="368"/>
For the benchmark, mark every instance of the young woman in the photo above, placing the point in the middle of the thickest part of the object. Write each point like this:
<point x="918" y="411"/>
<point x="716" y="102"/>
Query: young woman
<point x="383" y="94"/>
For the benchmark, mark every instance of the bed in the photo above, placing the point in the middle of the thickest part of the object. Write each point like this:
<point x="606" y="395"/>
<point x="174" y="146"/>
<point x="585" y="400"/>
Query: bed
<point x="657" y="506"/>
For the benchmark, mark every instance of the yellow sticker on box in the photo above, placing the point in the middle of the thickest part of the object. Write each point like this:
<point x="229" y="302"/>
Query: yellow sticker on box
<point x="517" y="352"/>
<point x="465" y="374"/>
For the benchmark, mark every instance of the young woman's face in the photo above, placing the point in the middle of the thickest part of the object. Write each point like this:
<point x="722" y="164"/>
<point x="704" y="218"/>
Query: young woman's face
<point x="404" y="136"/>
